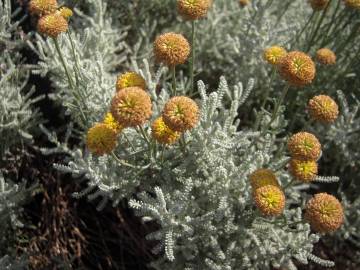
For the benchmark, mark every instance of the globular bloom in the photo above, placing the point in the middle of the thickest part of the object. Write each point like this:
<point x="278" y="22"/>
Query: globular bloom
<point x="66" y="12"/>
<point x="274" y="54"/>
<point x="263" y="177"/>
<point x="270" y="200"/>
<point x="304" y="170"/>
<point x="305" y="146"/>
<point x="323" y="108"/>
<point x="352" y="3"/>
<point x="326" y="57"/>
<point x="318" y="4"/>
<point x="162" y="133"/>
<point x="193" y="9"/>
<point x="52" y="25"/>
<point x="131" y="107"/>
<point x="297" y="68"/>
<point x="130" y="79"/>
<point x="181" y="113"/>
<point x="110" y="121"/>
<point x="42" y="7"/>
<point x="171" y="49"/>
<point x="324" y="213"/>
<point x="244" y="3"/>
<point x="101" y="139"/>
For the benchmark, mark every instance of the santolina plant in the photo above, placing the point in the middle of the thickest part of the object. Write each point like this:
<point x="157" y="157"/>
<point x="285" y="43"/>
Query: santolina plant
<point x="224" y="191"/>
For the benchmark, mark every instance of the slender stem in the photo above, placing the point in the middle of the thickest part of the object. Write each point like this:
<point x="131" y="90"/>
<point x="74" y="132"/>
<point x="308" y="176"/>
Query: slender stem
<point x="192" y="60"/>
<point x="183" y="143"/>
<point x="71" y="83"/>
<point x="77" y="69"/>
<point x="267" y="93"/>
<point x="143" y="133"/>
<point x="310" y="44"/>
<point x="122" y="162"/>
<point x="289" y="184"/>
<point x="278" y="104"/>
<point x="297" y="37"/>
<point x="173" y="72"/>
<point x="129" y="142"/>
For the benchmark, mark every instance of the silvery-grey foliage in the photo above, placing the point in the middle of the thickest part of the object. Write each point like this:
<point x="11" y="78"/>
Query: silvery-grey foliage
<point x="17" y="113"/>
<point x="200" y="197"/>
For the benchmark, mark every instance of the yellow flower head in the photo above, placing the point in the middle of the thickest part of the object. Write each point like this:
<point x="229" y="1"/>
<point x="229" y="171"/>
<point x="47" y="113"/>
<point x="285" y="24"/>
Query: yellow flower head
<point x="131" y="107"/>
<point x="110" y="121"/>
<point x="66" y="12"/>
<point x="323" y="108"/>
<point x="42" y="7"/>
<point x="162" y="133"/>
<point x="244" y="3"/>
<point x="318" y="4"/>
<point x="181" y="113"/>
<point x="304" y="170"/>
<point x="305" y="146"/>
<point x="324" y="213"/>
<point x="274" y="54"/>
<point x="52" y="25"/>
<point x="263" y="177"/>
<point x="297" y="68"/>
<point x="352" y="3"/>
<point x="171" y="49"/>
<point x="326" y="57"/>
<point x="101" y="139"/>
<point x="193" y="9"/>
<point x="270" y="200"/>
<point x="130" y="79"/>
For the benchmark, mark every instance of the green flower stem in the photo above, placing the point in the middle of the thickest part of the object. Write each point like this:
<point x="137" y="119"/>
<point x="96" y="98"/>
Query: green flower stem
<point x="297" y="37"/>
<point x="192" y="59"/>
<point x="278" y="104"/>
<point x="122" y="162"/>
<point x="313" y="36"/>
<point x="289" y="184"/>
<point x="71" y="83"/>
<point x="173" y="73"/>
<point x="129" y="142"/>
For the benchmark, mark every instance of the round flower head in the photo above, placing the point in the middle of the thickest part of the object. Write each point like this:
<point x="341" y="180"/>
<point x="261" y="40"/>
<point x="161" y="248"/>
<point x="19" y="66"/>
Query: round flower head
<point x="52" y="25"/>
<point x="263" y="177"/>
<point x="171" y="49"/>
<point x="326" y="57"/>
<point x="162" y="133"/>
<point x="352" y="3"/>
<point x="305" y="146"/>
<point x="323" y="108"/>
<point x="42" y="7"/>
<point x="181" y="113"/>
<point x="324" y="213"/>
<point x="304" y="170"/>
<point x="274" y="54"/>
<point x="66" y="12"/>
<point x="244" y="3"/>
<point x="318" y="4"/>
<point x="270" y="200"/>
<point x="297" y="69"/>
<point x="101" y="139"/>
<point x="131" y="107"/>
<point x="110" y="121"/>
<point x="193" y="9"/>
<point x="130" y="79"/>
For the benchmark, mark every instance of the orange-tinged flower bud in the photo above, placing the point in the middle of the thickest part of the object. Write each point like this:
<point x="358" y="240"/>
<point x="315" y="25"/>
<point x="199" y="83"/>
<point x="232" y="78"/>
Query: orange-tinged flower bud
<point x="130" y="79"/>
<point x="181" y="113"/>
<point x="131" y="107"/>
<point x="324" y="213"/>
<point x="323" y="108"/>
<point x="162" y="133"/>
<point x="352" y="3"/>
<point x="66" y="12"/>
<point x="270" y="200"/>
<point x="42" y="7"/>
<point x="274" y="54"/>
<point x="193" y="9"/>
<point x="101" y="139"/>
<point x="171" y="49"/>
<point x="244" y="3"/>
<point x="318" y="4"/>
<point x="297" y="68"/>
<point x="52" y="25"/>
<point x="304" y="170"/>
<point x="305" y="146"/>
<point x="326" y="57"/>
<point x="263" y="177"/>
